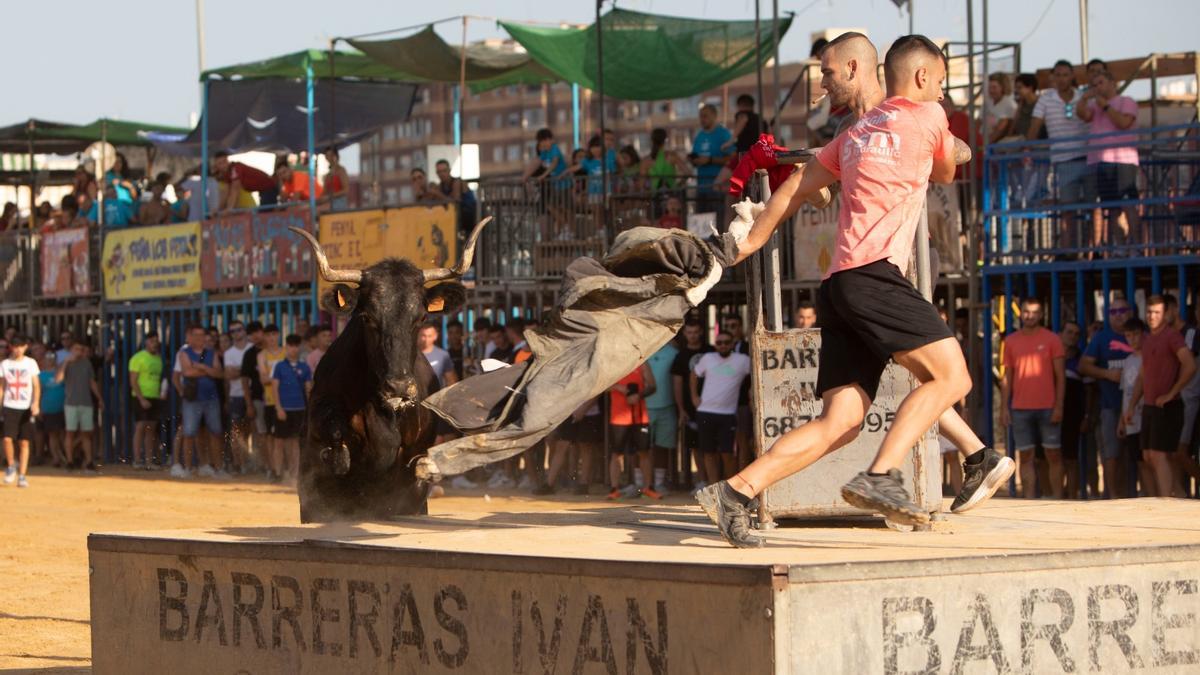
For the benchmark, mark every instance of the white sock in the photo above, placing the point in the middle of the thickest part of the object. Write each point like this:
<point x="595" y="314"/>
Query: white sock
<point x="660" y="477"/>
<point x="637" y="477"/>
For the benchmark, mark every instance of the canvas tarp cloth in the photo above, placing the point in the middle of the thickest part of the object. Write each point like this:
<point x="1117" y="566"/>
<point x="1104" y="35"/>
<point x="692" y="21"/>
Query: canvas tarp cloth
<point x="648" y="57"/>
<point x="34" y="136"/>
<point x="610" y="317"/>
<point x="426" y="57"/>
<point x="272" y="113"/>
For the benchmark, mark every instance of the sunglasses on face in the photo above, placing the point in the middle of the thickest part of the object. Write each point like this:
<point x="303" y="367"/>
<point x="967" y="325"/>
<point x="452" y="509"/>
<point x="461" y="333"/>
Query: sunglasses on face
<point x="723" y="343"/>
<point x="1118" y="310"/>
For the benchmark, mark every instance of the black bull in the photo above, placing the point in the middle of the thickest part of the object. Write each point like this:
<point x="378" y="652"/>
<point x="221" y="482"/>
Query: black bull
<point x="366" y="427"/>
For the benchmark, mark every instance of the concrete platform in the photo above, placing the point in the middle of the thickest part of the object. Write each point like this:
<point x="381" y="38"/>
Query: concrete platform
<point x="1016" y="586"/>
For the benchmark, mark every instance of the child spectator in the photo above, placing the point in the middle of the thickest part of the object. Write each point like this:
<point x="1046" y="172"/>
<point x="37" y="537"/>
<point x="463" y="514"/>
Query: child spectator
<point x="22" y="403"/>
<point x="52" y="421"/>
<point x="672" y="218"/>
<point x="1131" y="415"/>
<point x="292" y="383"/>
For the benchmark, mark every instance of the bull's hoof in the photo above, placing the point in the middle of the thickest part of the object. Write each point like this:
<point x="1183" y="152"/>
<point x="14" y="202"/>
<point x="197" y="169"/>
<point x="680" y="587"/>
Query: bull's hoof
<point x="337" y="459"/>
<point x="426" y="470"/>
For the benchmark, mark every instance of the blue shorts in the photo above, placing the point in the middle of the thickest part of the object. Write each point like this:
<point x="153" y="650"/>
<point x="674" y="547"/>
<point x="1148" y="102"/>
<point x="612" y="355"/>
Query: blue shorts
<point x="237" y="409"/>
<point x="196" y="411"/>
<point x="1070" y="181"/>
<point x="664" y="427"/>
<point x="1031" y="428"/>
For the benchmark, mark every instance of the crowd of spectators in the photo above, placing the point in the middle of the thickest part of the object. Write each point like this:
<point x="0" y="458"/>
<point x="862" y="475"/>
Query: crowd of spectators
<point x="230" y="186"/>
<point x="1128" y="394"/>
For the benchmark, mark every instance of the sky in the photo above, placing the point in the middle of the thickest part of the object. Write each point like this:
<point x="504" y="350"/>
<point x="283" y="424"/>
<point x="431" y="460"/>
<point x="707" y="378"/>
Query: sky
<point x="137" y="59"/>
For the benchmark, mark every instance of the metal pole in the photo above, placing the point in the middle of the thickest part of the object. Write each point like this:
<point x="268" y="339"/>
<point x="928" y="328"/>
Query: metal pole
<point x="758" y="64"/>
<point x="775" y="55"/>
<point x="600" y="93"/>
<point x="772" y="302"/>
<point x="911" y="30"/>
<point x="460" y="95"/>
<point x="200" y="33"/>
<point x="1083" y="31"/>
<point x="575" y="114"/>
<point x="204" y="150"/>
<point x="312" y="156"/>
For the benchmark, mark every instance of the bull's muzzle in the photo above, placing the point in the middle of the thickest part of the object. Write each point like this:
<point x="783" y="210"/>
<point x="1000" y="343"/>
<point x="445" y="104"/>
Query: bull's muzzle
<point x="401" y="395"/>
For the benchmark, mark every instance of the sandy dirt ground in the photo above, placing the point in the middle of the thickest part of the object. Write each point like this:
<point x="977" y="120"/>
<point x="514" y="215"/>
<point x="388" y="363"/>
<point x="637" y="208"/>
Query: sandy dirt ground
<point x="44" y="610"/>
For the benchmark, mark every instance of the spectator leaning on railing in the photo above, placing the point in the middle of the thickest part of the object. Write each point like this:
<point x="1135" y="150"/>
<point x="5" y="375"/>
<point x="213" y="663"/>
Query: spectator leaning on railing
<point x="1056" y="110"/>
<point x="1113" y="159"/>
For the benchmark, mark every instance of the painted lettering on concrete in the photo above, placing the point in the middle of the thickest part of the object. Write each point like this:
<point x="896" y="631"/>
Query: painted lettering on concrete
<point x="914" y="638"/>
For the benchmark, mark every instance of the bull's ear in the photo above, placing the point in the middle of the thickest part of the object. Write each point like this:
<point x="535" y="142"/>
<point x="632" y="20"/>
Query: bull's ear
<point x="446" y="298"/>
<point x="339" y="299"/>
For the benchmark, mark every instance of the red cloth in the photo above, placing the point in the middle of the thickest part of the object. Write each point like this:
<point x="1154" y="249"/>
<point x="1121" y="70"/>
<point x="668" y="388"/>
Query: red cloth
<point x="251" y="178"/>
<point x="760" y="156"/>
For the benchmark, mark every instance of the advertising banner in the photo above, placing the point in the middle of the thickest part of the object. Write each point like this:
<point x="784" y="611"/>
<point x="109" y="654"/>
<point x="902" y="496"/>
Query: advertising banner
<point x="423" y="235"/>
<point x="255" y="248"/>
<point x="151" y="262"/>
<point x="65" y="263"/>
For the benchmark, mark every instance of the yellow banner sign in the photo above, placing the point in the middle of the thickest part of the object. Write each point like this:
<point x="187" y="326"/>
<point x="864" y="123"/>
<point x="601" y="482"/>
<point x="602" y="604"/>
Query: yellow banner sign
<point x="151" y="262"/>
<point x="425" y="236"/>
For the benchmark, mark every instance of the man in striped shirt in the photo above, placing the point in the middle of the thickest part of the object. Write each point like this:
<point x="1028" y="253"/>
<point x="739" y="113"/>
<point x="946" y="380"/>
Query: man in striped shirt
<point x="1056" y="110"/>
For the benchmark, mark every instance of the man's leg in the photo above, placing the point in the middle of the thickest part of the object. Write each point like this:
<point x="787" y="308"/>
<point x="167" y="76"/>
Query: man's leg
<point x="942" y="371"/>
<point x="956" y="430"/>
<point x="1108" y="445"/>
<point x="839" y="422"/>
<point x="139" y="432"/>
<point x="24" y="461"/>
<point x="10" y="461"/>
<point x="1054" y="465"/>
<point x="1160" y="464"/>
<point x="1028" y="469"/>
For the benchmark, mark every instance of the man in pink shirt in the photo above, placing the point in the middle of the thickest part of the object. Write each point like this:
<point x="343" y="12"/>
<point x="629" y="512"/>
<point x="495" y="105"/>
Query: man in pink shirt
<point x="869" y="313"/>
<point x="1113" y="158"/>
<point x="1034" y="384"/>
<point x="1167" y="367"/>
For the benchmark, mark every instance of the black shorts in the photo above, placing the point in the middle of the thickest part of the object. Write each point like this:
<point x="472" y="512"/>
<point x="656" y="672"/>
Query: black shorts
<point x="18" y="424"/>
<point x="590" y="429"/>
<point x="269" y="419"/>
<point x="1131" y="446"/>
<point x="1161" y="427"/>
<point x="627" y="439"/>
<point x="866" y="314"/>
<point x="290" y="427"/>
<point x="1116" y="182"/>
<point x="52" y="422"/>
<point x="717" y="432"/>
<point x="150" y="414"/>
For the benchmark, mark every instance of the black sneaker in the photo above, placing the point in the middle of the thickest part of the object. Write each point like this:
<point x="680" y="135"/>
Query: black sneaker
<point x="543" y="490"/>
<point x="721" y="504"/>
<point x="981" y="480"/>
<point x="886" y="495"/>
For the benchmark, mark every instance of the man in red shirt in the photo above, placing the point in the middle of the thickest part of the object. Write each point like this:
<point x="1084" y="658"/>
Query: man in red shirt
<point x="293" y="185"/>
<point x="1167" y="367"/>
<point x="243" y="177"/>
<point x="1034" y="385"/>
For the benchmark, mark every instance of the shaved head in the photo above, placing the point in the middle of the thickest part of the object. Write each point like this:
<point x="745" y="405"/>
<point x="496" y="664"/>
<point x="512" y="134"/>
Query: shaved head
<point x="848" y="66"/>
<point x="915" y="68"/>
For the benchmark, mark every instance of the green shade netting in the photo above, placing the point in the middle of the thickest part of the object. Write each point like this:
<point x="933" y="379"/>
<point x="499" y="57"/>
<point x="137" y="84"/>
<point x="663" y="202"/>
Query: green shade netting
<point x="116" y="132"/>
<point x="426" y="57"/>
<point x="650" y="57"/>
<point x="324" y="65"/>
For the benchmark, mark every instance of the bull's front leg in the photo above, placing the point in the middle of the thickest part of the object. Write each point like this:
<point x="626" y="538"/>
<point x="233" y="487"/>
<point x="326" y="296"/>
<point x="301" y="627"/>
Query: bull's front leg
<point x="332" y="430"/>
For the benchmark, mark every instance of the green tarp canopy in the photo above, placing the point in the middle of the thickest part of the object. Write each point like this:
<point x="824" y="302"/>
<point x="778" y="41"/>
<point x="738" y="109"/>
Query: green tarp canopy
<point x="650" y="57"/>
<point x="35" y="136"/>
<point x="325" y="65"/>
<point x="426" y="57"/>
<point x="117" y="132"/>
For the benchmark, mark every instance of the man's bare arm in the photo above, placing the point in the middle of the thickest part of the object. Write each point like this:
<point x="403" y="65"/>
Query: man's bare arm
<point x="805" y="181"/>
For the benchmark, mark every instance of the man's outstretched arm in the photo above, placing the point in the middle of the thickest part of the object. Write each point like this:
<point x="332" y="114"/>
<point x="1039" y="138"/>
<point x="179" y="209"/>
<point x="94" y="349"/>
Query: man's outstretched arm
<point x="804" y="182"/>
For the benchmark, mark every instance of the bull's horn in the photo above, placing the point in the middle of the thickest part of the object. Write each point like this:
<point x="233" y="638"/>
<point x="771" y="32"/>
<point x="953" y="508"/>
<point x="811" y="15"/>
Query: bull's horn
<point x="328" y="273"/>
<point x="464" y="262"/>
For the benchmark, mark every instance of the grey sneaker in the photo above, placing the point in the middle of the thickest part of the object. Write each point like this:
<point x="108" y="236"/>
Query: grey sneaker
<point x="886" y="495"/>
<point x="22" y="483"/>
<point x="980" y="481"/>
<point x="10" y="475"/>
<point x="731" y="518"/>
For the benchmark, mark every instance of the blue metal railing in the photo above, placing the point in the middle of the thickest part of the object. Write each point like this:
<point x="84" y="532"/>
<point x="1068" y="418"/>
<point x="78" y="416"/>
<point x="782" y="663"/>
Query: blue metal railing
<point x="1032" y="214"/>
